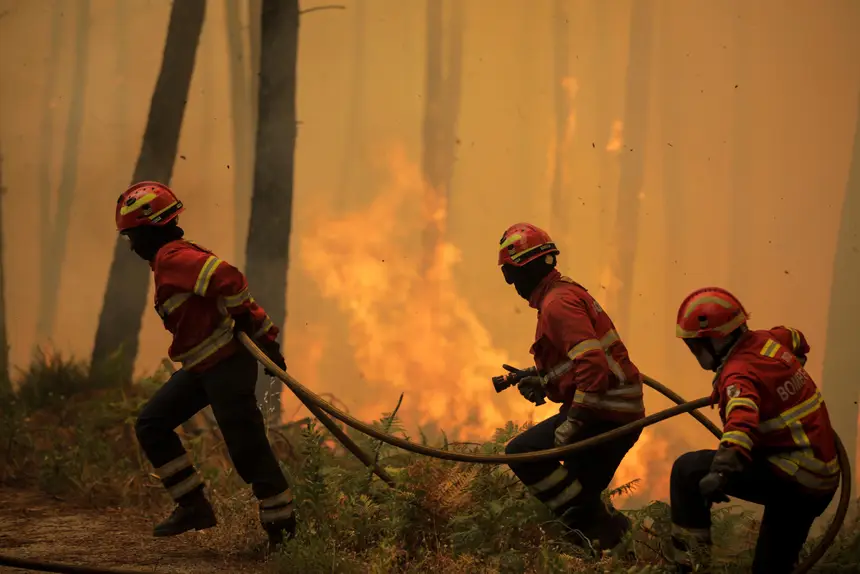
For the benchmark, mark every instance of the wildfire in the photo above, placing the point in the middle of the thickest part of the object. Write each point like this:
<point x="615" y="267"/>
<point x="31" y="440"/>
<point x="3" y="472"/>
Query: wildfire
<point x="410" y="330"/>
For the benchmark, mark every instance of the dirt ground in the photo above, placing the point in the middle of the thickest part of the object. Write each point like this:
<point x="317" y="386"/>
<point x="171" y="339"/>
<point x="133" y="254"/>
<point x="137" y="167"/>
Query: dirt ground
<point x="36" y="526"/>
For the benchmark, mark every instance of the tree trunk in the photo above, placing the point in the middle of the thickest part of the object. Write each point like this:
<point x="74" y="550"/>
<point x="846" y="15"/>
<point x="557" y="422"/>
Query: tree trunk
<point x="840" y="365"/>
<point x="559" y="204"/>
<point x="268" y="247"/>
<point x="742" y="156"/>
<point x="5" y="381"/>
<point x="441" y="111"/>
<point x="607" y="110"/>
<point x="353" y="148"/>
<point x="46" y="161"/>
<point x="243" y="146"/>
<point x="128" y="280"/>
<point x="632" y="157"/>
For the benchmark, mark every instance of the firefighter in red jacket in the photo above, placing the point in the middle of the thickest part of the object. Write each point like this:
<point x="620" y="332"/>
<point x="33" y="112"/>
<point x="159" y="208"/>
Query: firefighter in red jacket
<point x="778" y="448"/>
<point x="580" y="362"/>
<point x="202" y="301"/>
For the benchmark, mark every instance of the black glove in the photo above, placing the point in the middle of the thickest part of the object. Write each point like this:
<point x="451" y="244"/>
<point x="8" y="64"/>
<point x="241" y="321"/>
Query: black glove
<point x="244" y="323"/>
<point x="532" y="389"/>
<point x="727" y="462"/>
<point x="712" y="486"/>
<point x="272" y="350"/>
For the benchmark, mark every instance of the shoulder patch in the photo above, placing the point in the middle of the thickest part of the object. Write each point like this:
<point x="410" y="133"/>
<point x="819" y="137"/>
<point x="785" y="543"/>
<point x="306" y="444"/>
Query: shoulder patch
<point x="597" y="308"/>
<point x="770" y="349"/>
<point x="733" y="391"/>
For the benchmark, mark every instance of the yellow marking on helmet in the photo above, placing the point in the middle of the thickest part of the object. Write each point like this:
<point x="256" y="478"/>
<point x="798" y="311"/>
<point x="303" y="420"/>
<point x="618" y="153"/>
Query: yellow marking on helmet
<point x="126" y="209"/>
<point x="707" y="299"/>
<point x="510" y="240"/>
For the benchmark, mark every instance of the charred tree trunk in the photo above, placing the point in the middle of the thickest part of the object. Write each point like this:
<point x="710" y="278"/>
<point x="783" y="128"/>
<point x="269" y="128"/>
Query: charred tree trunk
<point x="441" y="111"/>
<point x="46" y="160"/>
<point x="840" y="364"/>
<point x="128" y="281"/>
<point x="559" y="204"/>
<point x="5" y="381"/>
<point x="632" y="156"/>
<point x="243" y="146"/>
<point x="268" y="247"/>
<point x="353" y="150"/>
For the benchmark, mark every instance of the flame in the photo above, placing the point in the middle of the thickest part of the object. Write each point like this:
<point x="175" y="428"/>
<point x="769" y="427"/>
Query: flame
<point x="647" y="461"/>
<point x="409" y="328"/>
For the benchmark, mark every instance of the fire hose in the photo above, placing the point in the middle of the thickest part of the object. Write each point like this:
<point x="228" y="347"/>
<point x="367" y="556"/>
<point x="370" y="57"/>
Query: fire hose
<point x="321" y="409"/>
<point x="308" y="397"/>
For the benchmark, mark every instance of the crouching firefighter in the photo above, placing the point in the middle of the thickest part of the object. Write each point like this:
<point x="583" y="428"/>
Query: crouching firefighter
<point x="581" y="363"/>
<point x="778" y="447"/>
<point x="202" y="301"/>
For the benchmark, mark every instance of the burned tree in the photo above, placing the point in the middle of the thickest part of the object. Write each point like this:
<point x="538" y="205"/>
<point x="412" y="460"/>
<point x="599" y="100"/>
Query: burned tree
<point x="559" y="204"/>
<point x="268" y="246"/>
<point x="121" y="317"/>
<point x="441" y="111"/>
<point x="53" y="239"/>
<point x="353" y="145"/>
<point x="632" y="156"/>
<point x="5" y="382"/>
<point x="844" y="313"/>
<point x="243" y="125"/>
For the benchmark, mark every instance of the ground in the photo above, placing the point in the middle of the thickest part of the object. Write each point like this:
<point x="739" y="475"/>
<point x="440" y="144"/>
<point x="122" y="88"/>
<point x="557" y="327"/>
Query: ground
<point x="36" y="526"/>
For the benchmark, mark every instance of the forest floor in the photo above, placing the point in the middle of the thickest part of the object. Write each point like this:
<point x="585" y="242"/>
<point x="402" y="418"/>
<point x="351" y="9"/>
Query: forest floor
<point x="38" y="526"/>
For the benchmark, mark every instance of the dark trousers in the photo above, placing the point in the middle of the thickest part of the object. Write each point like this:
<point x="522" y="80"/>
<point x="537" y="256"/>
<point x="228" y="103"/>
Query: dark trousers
<point x="789" y="510"/>
<point x="229" y="388"/>
<point x="571" y="488"/>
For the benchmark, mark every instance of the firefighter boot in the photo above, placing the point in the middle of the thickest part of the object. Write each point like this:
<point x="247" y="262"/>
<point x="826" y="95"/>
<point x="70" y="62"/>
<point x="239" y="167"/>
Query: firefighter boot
<point x="280" y="532"/>
<point x="195" y="513"/>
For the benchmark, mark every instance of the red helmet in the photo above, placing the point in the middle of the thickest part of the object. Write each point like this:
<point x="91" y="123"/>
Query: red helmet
<point x="709" y="312"/>
<point x="522" y="243"/>
<point x="146" y="203"/>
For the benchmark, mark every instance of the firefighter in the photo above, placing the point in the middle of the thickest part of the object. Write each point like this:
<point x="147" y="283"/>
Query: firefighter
<point x="203" y="301"/>
<point x="778" y="447"/>
<point x="580" y="362"/>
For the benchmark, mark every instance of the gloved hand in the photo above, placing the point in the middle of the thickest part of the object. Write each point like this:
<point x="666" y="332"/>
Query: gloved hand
<point x="566" y="432"/>
<point x="532" y="389"/>
<point x="727" y="462"/>
<point x="273" y="351"/>
<point x="244" y="323"/>
<point x="712" y="486"/>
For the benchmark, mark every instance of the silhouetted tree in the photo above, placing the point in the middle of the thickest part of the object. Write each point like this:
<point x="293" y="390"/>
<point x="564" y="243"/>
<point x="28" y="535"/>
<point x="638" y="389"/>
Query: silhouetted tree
<point x="128" y="279"/>
<point x="241" y="108"/>
<point x="559" y="202"/>
<point x="5" y="382"/>
<point x="840" y="363"/>
<point x="632" y="156"/>
<point x="353" y="148"/>
<point x="441" y="111"/>
<point x="46" y="138"/>
<point x="268" y="248"/>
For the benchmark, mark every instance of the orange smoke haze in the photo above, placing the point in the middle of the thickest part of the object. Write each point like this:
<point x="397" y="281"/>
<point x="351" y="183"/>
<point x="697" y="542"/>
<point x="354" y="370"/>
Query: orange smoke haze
<point x="741" y="136"/>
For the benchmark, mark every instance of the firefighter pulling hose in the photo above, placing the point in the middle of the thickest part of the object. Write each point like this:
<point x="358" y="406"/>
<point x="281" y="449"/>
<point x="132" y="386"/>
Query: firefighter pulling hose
<point x="610" y="403"/>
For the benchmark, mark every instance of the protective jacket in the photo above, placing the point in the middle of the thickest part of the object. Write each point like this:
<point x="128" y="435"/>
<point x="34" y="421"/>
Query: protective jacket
<point x="197" y="295"/>
<point x="577" y="349"/>
<point x="771" y="407"/>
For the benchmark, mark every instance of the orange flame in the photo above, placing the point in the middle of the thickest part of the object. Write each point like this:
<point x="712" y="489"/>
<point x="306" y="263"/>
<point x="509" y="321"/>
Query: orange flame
<point x="410" y="331"/>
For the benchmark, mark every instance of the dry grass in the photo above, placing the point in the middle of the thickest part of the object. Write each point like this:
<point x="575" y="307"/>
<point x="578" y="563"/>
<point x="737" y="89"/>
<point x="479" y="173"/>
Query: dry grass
<point x="78" y="443"/>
